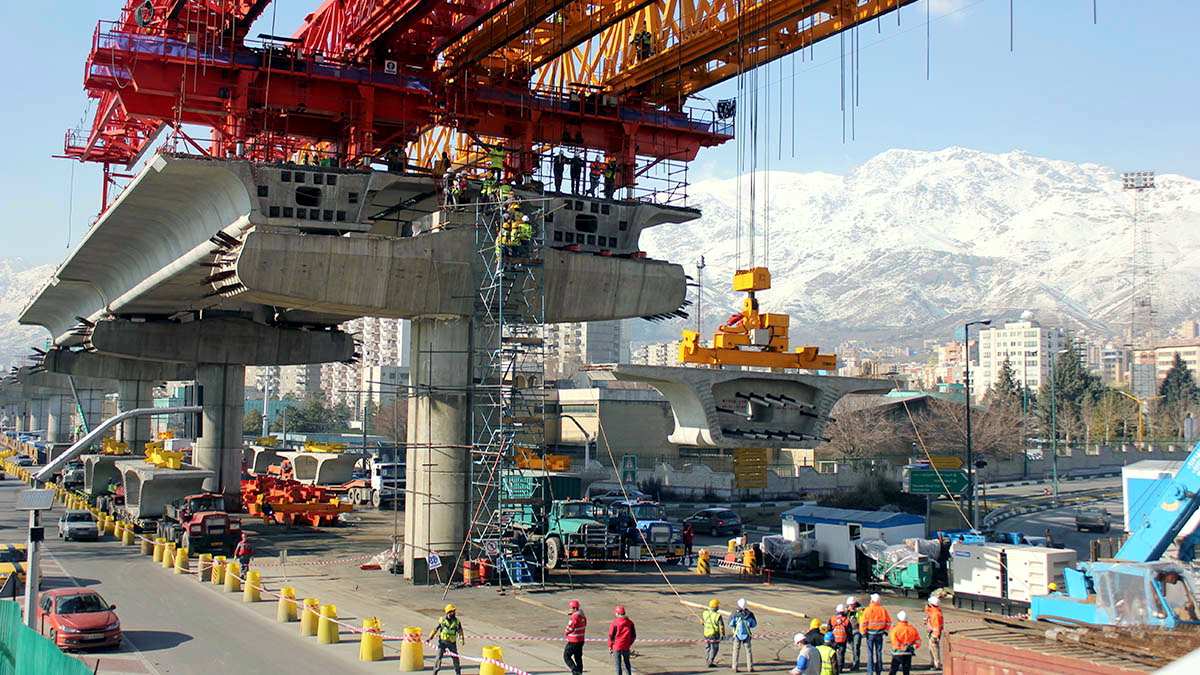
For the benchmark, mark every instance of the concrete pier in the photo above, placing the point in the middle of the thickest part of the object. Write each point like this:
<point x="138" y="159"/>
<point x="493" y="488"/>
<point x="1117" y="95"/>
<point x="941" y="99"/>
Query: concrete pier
<point x="439" y="459"/>
<point x="219" y="447"/>
<point x="133" y="394"/>
<point x="61" y="412"/>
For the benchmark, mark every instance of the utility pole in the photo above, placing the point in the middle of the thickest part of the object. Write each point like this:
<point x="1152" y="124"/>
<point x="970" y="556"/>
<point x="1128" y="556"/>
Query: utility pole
<point x="972" y="504"/>
<point x="1141" y="306"/>
<point x="699" y="294"/>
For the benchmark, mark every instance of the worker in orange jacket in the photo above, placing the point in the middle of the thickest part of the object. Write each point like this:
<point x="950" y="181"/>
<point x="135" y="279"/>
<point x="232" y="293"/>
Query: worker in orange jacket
<point x="935" y="623"/>
<point x="874" y="624"/>
<point x="905" y="640"/>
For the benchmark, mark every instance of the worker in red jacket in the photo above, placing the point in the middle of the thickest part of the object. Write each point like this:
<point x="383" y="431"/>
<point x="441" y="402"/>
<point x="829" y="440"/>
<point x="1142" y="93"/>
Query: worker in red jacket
<point x="244" y="552"/>
<point x="621" y="635"/>
<point x="576" y="627"/>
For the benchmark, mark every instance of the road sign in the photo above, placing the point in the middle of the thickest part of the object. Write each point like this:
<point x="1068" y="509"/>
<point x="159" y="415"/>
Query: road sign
<point x="927" y="482"/>
<point x="946" y="462"/>
<point x="629" y="469"/>
<point x="749" y="468"/>
<point x="433" y="560"/>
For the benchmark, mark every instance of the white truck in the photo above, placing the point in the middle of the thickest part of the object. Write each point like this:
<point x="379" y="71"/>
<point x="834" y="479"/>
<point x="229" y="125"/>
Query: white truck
<point x="381" y="485"/>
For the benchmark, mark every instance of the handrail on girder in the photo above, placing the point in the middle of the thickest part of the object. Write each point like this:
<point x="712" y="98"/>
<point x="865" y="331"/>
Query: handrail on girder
<point x="83" y="443"/>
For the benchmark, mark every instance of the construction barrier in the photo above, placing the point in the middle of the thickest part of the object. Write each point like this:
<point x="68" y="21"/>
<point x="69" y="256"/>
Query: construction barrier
<point x="310" y="618"/>
<point x="147" y="546"/>
<point x="127" y="536"/>
<point x="370" y="646"/>
<point x="327" y="627"/>
<point x="286" y="612"/>
<point x="218" y="571"/>
<point x="160" y="547"/>
<point x="204" y="566"/>
<point x="412" y="651"/>
<point x="181" y="561"/>
<point x="491" y="655"/>
<point x="251" y="592"/>
<point x="233" y="584"/>
<point x="168" y="559"/>
<point x="702" y="566"/>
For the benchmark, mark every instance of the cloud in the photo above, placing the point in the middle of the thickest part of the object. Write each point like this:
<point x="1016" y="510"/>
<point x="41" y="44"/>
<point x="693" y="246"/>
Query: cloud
<point x="945" y="7"/>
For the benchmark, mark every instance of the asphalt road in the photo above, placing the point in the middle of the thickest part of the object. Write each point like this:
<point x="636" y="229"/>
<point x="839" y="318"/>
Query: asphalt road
<point x="171" y="625"/>
<point x="1061" y="523"/>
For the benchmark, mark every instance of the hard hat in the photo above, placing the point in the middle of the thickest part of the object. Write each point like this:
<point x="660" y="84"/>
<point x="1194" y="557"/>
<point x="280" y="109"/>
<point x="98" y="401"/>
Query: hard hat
<point x="449" y="608"/>
<point x="574" y="604"/>
<point x="524" y="219"/>
<point x="829" y="636"/>
<point x="815" y="623"/>
<point x="874" y="597"/>
<point x="714" y="603"/>
<point x="933" y="600"/>
<point x="798" y="638"/>
<point x="741" y="603"/>
<point x="851" y="600"/>
<point x="620" y="610"/>
<point x="840" y="608"/>
<point x="1053" y="586"/>
<point x="901" y="615"/>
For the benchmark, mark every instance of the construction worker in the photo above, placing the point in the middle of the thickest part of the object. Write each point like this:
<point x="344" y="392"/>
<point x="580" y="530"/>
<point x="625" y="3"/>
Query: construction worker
<point x="524" y="235"/>
<point x="741" y="623"/>
<point x="808" y="661"/>
<point x="874" y="624"/>
<point x="935" y="623"/>
<point x="558" y="164"/>
<point x="576" y="174"/>
<point x="714" y="631"/>
<point x="905" y="641"/>
<point x="1053" y="588"/>
<point x="596" y="171"/>
<point x="448" y="632"/>
<point x="643" y="44"/>
<point x="460" y="187"/>
<point x="450" y="189"/>
<point x="854" y="614"/>
<point x="576" y="627"/>
<point x="815" y="636"/>
<point x="621" y="635"/>
<point x="689" y="536"/>
<point x="244" y="552"/>
<point x="829" y="660"/>
<point x="441" y="165"/>
<point x="610" y="178"/>
<point x="496" y="156"/>
<point x="839" y="624"/>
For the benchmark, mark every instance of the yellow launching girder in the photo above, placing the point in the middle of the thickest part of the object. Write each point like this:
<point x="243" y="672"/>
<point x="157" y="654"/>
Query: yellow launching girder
<point x="696" y="44"/>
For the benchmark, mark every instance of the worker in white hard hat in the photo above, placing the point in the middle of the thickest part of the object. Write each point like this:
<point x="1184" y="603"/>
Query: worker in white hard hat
<point x="905" y="641"/>
<point x="839" y="625"/>
<point x="808" y="661"/>
<point x="874" y="623"/>
<point x="854" y="614"/>
<point x="740" y="625"/>
<point x="934" y="624"/>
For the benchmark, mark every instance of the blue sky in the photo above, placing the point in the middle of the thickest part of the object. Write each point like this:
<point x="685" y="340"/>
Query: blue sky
<point x="1123" y="92"/>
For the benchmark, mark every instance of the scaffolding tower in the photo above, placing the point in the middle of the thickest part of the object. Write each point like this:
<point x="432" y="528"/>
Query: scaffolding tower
<point x="508" y="364"/>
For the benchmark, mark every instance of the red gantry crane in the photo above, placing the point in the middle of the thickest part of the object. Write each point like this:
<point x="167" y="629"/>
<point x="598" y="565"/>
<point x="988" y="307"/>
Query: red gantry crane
<point x="367" y="79"/>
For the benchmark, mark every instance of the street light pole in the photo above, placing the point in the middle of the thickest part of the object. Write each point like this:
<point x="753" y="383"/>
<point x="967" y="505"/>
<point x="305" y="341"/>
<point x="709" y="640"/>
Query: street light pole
<point x="1053" y="420"/>
<point x="972" y="503"/>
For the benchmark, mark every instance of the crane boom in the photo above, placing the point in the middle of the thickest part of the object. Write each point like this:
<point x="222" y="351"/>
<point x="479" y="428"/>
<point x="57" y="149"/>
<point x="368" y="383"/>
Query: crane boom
<point x="1170" y="503"/>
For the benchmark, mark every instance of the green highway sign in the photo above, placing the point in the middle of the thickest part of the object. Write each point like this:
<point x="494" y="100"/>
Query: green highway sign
<point x="926" y="481"/>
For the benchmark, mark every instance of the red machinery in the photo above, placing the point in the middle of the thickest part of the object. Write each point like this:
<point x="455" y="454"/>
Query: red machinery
<point x="291" y="502"/>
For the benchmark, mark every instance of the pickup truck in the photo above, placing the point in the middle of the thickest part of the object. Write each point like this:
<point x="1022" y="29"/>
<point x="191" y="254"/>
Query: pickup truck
<point x="1093" y="519"/>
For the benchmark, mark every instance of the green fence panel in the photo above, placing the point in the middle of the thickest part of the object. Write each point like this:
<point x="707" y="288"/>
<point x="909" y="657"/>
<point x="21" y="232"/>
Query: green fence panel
<point x="24" y="652"/>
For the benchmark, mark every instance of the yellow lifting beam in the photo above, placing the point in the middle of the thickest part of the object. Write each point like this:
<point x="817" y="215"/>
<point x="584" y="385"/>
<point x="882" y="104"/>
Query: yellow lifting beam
<point x="751" y="338"/>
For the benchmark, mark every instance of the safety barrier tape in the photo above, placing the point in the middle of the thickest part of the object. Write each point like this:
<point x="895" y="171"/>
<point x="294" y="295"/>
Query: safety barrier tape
<point x="507" y="668"/>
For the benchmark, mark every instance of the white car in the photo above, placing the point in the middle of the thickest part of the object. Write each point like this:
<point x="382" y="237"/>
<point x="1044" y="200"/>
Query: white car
<point x="77" y="525"/>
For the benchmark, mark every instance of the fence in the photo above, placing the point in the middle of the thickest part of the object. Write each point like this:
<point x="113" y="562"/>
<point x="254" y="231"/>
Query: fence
<point x="22" y="650"/>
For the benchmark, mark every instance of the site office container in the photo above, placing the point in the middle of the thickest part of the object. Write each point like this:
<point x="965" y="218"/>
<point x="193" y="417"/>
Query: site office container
<point x="1007" y="572"/>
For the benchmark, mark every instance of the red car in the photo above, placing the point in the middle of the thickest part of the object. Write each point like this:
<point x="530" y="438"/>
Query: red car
<point x="78" y="618"/>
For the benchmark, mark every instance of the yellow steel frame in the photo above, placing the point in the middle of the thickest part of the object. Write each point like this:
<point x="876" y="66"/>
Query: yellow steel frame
<point x="699" y="43"/>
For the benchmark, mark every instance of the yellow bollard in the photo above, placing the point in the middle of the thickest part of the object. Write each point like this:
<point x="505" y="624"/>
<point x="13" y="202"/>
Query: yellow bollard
<point x="204" y="565"/>
<point x="147" y="545"/>
<point x="310" y="618"/>
<point x="160" y="547"/>
<point x="496" y="654"/>
<point x="327" y="630"/>
<point x="110" y="525"/>
<point x="168" y="559"/>
<point x="286" y="611"/>
<point x="218" y="570"/>
<point x="370" y="647"/>
<point x="127" y="536"/>
<point x="702" y="562"/>
<point x="181" y="561"/>
<point x="412" y="652"/>
<point x="232" y="583"/>
<point x="251" y="591"/>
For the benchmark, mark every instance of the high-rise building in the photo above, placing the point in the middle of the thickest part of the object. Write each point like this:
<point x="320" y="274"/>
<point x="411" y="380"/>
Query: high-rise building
<point x="656" y="354"/>
<point x="1029" y="348"/>
<point x="572" y="345"/>
<point x="382" y="342"/>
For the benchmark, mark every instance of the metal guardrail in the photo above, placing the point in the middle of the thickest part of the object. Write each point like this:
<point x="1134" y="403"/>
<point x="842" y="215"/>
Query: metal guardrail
<point x="1040" y="504"/>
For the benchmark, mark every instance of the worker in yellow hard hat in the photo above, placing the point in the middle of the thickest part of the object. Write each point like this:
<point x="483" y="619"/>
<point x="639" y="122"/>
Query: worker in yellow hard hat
<point x="448" y="632"/>
<point x="714" y="631"/>
<point x="1053" y="588"/>
<point x="815" y="636"/>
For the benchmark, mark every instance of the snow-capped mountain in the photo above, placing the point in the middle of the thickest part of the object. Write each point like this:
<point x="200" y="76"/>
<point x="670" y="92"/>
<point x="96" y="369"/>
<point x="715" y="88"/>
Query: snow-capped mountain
<point x="912" y="242"/>
<point x="18" y="282"/>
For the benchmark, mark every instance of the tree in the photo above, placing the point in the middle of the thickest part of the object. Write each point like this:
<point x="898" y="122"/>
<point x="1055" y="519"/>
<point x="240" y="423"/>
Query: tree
<point x="252" y="422"/>
<point x="1180" y="396"/>
<point x="1069" y="387"/>
<point x="995" y="429"/>
<point x="392" y="420"/>
<point x="370" y="410"/>
<point x="866" y="433"/>
<point x="1006" y="392"/>
<point x="312" y="416"/>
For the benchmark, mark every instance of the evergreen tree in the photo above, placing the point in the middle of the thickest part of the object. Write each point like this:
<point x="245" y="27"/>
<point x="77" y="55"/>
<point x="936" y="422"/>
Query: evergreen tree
<point x="252" y="422"/>
<point x="1179" y="387"/>
<point x="1069" y="387"/>
<point x="1006" y="392"/>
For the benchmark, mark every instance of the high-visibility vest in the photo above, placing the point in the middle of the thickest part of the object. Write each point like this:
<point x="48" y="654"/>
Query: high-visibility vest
<point x="840" y="625"/>
<point x="496" y="157"/>
<point x="875" y="619"/>
<point x="712" y="623"/>
<point x="448" y="629"/>
<point x="827" y="657"/>
<point x="525" y="232"/>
